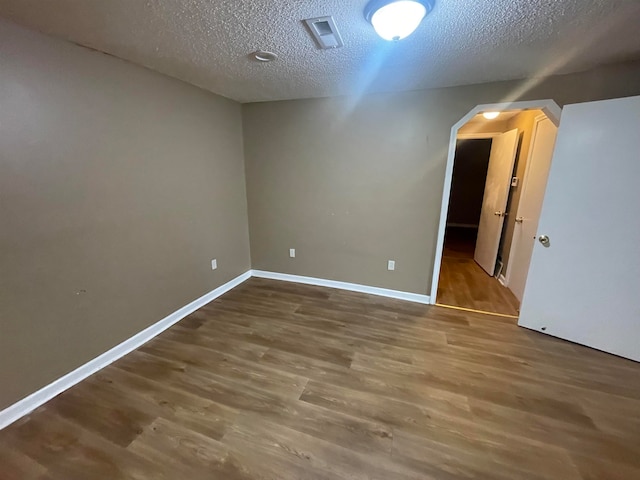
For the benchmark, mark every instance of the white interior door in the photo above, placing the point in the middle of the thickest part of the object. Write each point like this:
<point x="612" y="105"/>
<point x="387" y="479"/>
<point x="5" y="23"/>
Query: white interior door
<point x="534" y="185"/>
<point x="585" y="286"/>
<point x="496" y="194"/>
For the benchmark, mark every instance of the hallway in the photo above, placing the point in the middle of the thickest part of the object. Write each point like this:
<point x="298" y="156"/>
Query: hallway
<point x="464" y="284"/>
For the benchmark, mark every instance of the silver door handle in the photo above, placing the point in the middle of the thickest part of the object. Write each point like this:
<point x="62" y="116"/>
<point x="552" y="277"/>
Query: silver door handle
<point x="544" y="240"/>
<point x="519" y="219"/>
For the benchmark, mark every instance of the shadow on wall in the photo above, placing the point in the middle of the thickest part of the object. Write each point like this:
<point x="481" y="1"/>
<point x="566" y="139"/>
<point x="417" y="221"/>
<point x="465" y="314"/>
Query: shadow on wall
<point x="351" y="197"/>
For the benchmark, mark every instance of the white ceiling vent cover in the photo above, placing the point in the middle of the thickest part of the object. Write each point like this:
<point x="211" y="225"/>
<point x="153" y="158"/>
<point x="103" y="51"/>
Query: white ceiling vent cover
<point x="325" y="32"/>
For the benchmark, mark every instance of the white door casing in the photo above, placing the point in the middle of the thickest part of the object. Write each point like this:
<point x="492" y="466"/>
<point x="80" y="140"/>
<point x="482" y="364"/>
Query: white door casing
<point x="585" y="287"/>
<point x="548" y="106"/>
<point x="496" y="195"/>
<point x="534" y="184"/>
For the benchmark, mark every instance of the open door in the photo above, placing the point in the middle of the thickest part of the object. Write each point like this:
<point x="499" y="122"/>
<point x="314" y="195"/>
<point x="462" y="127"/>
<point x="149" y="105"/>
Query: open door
<point x="584" y="278"/>
<point x="496" y="195"/>
<point x="530" y="205"/>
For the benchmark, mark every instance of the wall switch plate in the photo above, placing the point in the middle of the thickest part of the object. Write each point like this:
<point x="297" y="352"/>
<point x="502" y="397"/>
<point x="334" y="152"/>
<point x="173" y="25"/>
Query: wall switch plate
<point x="292" y="252"/>
<point x="214" y="264"/>
<point x="391" y="265"/>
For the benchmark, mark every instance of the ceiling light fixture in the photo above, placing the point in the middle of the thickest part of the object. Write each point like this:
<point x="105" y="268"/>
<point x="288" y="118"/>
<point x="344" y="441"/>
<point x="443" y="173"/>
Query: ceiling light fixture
<point x="264" y="56"/>
<point x="491" y="115"/>
<point x="394" y="20"/>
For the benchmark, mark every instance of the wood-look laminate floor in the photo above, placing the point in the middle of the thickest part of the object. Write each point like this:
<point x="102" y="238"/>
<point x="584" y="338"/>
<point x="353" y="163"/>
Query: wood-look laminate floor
<point x="463" y="283"/>
<point x="290" y="382"/>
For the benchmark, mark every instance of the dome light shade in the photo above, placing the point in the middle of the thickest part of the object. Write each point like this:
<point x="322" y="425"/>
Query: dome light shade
<point x="394" y="20"/>
<point x="491" y="115"/>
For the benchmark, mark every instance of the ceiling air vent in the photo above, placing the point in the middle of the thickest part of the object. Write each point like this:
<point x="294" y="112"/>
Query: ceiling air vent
<point x="325" y="32"/>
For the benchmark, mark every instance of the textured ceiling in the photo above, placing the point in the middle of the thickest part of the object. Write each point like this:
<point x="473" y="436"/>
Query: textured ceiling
<point x="207" y="42"/>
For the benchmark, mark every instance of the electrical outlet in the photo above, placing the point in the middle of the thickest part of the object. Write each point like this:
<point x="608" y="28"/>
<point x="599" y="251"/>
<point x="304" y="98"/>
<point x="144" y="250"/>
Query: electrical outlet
<point x="292" y="252"/>
<point x="391" y="265"/>
<point x="214" y="264"/>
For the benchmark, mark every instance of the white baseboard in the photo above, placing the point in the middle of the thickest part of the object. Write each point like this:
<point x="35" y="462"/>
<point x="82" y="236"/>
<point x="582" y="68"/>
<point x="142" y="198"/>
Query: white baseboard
<point x="502" y="280"/>
<point x="354" y="287"/>
<point x="33" y="401"/>
<point x="38" y="398"/>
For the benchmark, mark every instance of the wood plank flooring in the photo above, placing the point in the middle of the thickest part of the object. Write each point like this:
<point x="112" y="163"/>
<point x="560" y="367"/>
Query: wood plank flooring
<point x="463" y="283"/>
<point x="283" y="381"/>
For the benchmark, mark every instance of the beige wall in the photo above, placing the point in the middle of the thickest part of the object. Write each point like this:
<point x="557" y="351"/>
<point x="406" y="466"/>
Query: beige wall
<point x="487" y="126"/>
<point x="121" y="185"/>
<point x="353" y="182"/>
<point x="113" y="180"/>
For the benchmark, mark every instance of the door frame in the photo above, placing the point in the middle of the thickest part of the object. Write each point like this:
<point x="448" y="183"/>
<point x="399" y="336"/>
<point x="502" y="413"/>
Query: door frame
<point x="476" y="136"/>
<point x="525" y="181"/>
<point x="551" y="110"/>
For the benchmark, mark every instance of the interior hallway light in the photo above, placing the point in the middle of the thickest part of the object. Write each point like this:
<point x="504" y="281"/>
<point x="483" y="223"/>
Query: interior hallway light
<point x="394" y="20"/>
<point x="491" y="115"/>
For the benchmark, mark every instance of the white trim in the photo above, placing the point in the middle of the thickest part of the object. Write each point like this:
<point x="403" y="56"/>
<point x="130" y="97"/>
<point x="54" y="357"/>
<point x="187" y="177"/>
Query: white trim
<point x="36" y="399"/>
<point x="353" y="287"/>
<point x="502" y="280"/>
<point x="31" y="402"/>
<point x="470" y="136"/>
<point x="539" y="118"/>
<point x="550" y="109"/>
<point x="525" y="180"/>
